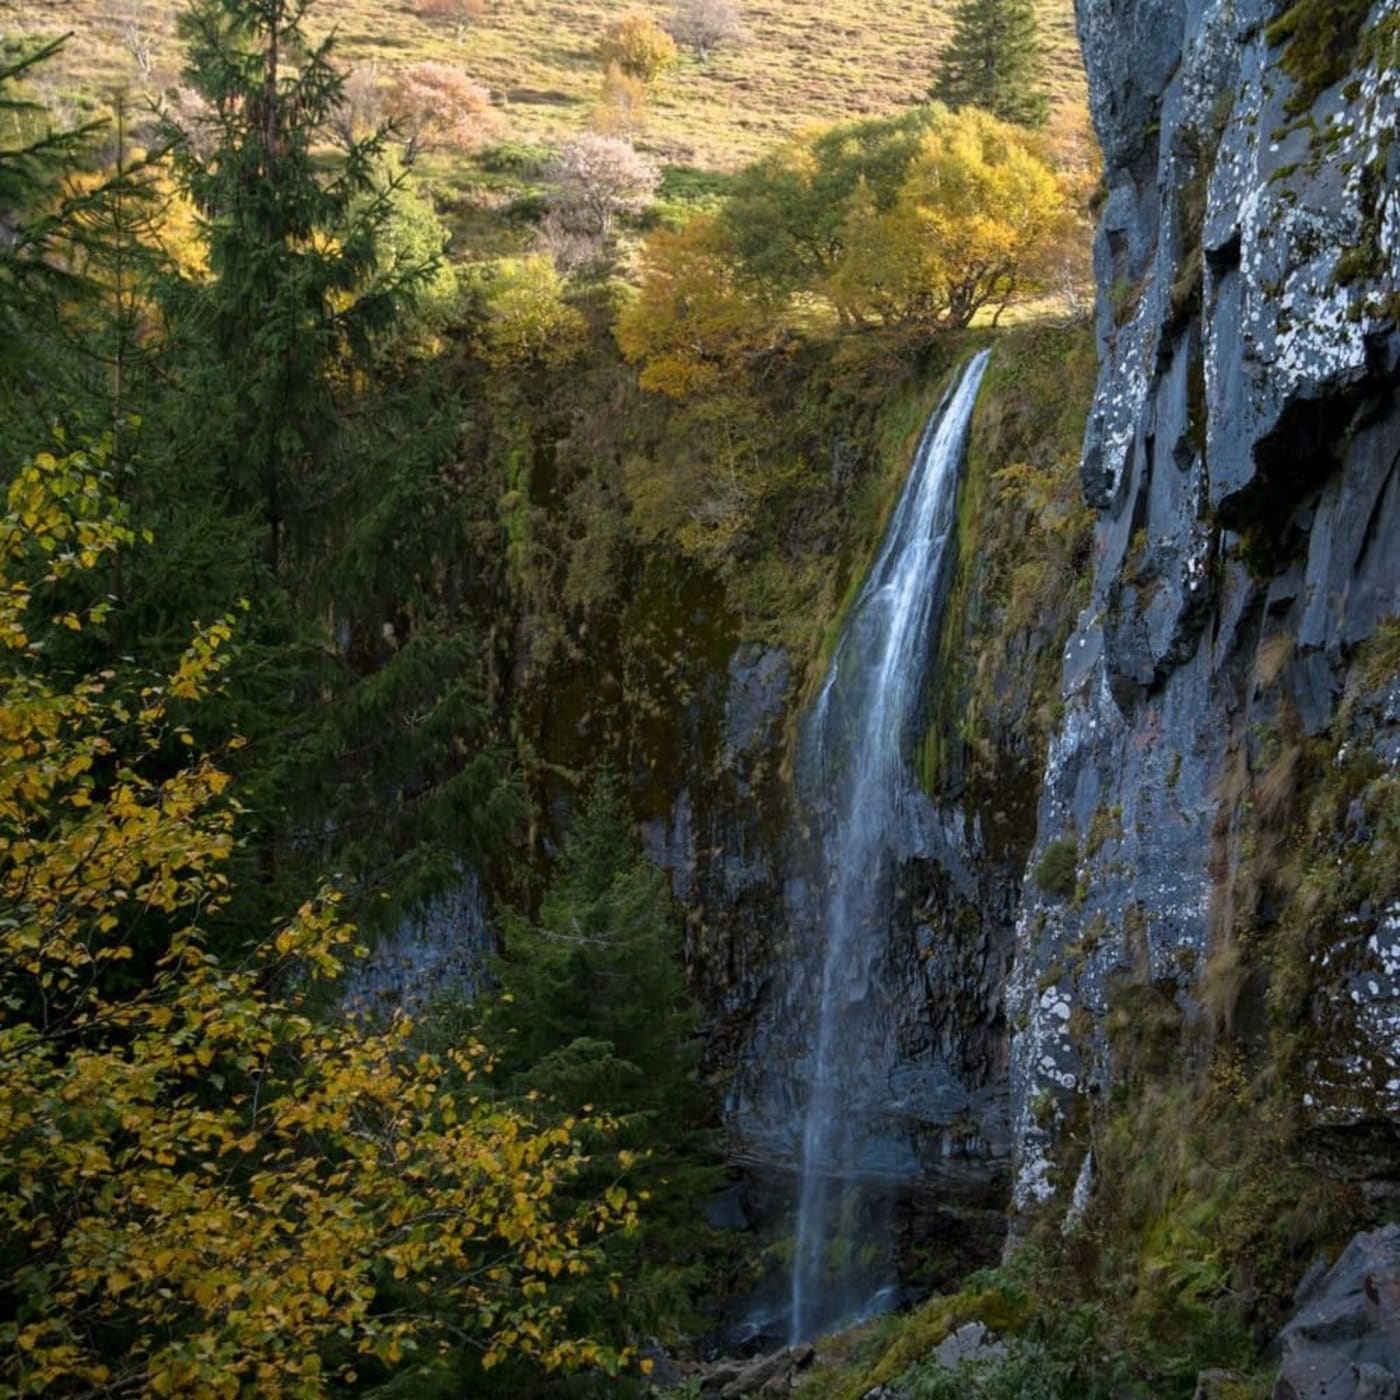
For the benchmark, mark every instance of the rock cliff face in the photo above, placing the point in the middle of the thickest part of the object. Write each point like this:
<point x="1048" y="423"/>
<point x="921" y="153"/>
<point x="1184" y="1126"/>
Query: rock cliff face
<point x="1219" y="817"/>
<point x="1212" y="893"/>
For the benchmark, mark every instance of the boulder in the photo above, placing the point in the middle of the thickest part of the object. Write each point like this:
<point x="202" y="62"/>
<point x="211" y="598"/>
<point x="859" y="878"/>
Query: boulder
<point x="773" y="1374"/>
<point x="970" y="1344"/>
<point x="1344" y="1341"/>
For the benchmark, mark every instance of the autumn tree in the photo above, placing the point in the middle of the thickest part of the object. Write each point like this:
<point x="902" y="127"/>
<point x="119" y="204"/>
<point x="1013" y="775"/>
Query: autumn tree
<point x="695" y="324"/>
<point x="637" y="45"/>
<point x="986" y="214"/>
<point x="706" y="25"/>
<point x="203" y="1188"/>
<point x="786" y="216"/>
<point x="622" y="107"/>
<point x="980" y="222"/>
<point x="434" y="105"/>
<point x="926" y="219"/>
<point x="701" y="331"/>
<point x="883" y="271"/>
<point x="596" y="179"/>
<point x="994" y="60"/>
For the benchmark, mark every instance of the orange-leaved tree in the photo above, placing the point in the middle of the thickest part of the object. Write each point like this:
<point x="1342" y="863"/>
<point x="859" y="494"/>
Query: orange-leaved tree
<point x="695" y="323"/>
<point x="434" y="104"/>
<point x="205" y="1189"/>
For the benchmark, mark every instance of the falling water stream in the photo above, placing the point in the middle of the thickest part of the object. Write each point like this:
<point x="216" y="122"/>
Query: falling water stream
<point x="854" y="768"/>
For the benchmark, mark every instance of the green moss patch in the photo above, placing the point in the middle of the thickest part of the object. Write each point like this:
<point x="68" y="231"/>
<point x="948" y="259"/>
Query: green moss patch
<point x="1323" y="42"/>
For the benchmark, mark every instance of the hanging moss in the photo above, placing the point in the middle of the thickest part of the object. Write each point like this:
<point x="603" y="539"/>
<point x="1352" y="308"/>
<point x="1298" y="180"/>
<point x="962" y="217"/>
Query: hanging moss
<point x="1323" y="39"/>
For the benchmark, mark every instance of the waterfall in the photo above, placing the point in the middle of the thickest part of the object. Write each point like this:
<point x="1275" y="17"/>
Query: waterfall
<point x="854" y="774"/>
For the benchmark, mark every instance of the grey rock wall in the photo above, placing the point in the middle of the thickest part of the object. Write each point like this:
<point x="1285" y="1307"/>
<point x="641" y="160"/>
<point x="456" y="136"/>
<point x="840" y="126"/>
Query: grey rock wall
<point x="1243" y="456"/>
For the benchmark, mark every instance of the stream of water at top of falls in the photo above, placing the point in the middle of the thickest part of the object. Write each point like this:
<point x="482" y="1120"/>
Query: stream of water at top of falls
<point x="854" y="772"/>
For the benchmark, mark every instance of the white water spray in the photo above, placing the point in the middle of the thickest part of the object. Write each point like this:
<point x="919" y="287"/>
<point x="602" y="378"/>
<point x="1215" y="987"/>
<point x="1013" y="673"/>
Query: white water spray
<point x="854" y="766"/>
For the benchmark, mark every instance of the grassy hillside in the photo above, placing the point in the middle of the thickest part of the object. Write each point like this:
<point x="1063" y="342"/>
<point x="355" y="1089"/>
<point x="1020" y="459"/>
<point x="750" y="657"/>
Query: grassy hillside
<point x="802" y="62"/>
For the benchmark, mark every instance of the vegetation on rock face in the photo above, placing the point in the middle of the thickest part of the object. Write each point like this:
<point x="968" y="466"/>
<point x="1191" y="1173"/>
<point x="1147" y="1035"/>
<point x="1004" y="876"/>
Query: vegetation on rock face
<point x="1020" y="578"/>
<point x="1322" y="38"/>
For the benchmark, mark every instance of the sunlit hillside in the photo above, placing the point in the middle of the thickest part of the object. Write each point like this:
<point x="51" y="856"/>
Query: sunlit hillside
<point x="800" y="61"/>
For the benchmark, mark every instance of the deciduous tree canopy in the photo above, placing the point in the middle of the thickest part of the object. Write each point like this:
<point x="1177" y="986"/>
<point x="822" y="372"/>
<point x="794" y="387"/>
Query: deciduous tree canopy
<point x="639" y="46"/>
<point x="202" y="1188"/>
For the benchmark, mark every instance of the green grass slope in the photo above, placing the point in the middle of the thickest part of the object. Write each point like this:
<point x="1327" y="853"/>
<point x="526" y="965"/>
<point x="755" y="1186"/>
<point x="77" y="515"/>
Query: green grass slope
<point x="801" y="62"/>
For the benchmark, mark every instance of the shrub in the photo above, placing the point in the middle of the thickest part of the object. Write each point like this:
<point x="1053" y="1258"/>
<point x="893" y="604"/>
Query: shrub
<point x="638" y="46"/>
<point x="435" y="104"/>
<point x="1056" y="871"/>
<point x="599" y="177"/>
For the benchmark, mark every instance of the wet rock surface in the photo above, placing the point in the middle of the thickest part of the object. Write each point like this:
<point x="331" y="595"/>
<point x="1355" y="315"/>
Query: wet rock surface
<point x="1243" y="456"/>
<point x="1344" y="1341"/>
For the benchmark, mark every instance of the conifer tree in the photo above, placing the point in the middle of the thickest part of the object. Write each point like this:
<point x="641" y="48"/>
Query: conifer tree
<point x="64" y="227"/>
<point x="329" y="465"/>
<point x="994" y="61"/>
<point x="300" y="283"/>
<point x="596" y="1015"/>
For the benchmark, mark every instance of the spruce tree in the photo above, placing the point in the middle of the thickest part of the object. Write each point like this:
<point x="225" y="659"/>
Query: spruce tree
<point x="66" y="246"/>
<point x="300" y="285"/>
<point x="325" y="464"/>
<point x="595" y="1016"/>
<point x="994" y="61"/>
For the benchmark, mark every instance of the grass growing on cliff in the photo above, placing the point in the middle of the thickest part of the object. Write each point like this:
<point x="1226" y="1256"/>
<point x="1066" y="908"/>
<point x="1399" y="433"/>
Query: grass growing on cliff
<point x="1020" y="578"/>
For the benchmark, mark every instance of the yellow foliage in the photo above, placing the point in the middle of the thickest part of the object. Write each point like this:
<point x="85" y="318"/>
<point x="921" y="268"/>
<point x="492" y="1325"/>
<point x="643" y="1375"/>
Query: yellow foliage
<point x="988" y="208"/>
<point x="622" y="106"/>
<point x="693" y="326"/>
<point x="884" y="270"/>
<point x="980" y="221"/>
<point x="526" y="317"/>
<point x="638" y="46"/>
<point x="200" y="1185"/>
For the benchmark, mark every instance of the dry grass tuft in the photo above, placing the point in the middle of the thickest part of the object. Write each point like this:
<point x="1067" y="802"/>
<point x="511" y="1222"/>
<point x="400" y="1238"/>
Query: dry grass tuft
<point x="1272" y="660"/>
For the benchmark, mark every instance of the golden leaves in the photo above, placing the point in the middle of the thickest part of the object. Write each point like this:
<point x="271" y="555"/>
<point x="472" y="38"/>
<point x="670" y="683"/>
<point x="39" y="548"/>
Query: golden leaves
<point x="205" y="1183"/>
